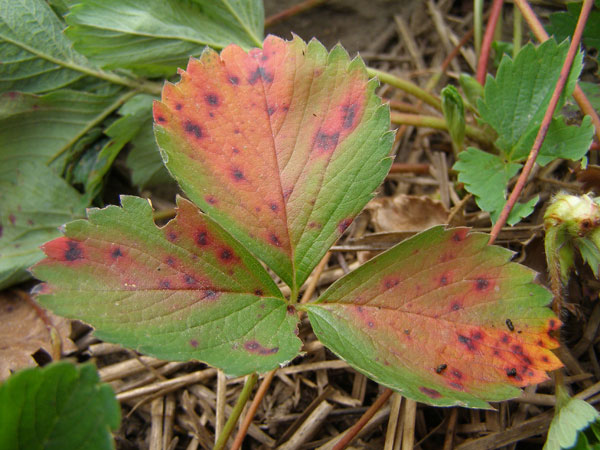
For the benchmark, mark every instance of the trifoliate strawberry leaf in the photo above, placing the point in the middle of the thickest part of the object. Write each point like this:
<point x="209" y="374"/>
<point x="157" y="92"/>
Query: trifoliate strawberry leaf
<point x="184" y="291"/>
<point x="486" y="177"/>
<point x="154" y="37"/>
<point x="515" y="101"/>
<point x="282" y="146"/>
<point x="60" y="406"/>
<point x="568" y="422"/>
<point x="34" y="203"/>
<point x="442" y="318"/>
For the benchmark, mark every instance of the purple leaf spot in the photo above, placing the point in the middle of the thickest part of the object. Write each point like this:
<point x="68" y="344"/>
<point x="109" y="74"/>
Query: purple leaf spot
<point x="202" y="238"/>
<point x="178" y="106"/>
<point x="116" y="253"/>
<point x="255" y="347"/>
<point x="344" y="224"/>
<point x="260" y="74"/>
<point x="194" y="343"/>
<point x="237" y="174"/>
<point x="349" y="112"/>
<point x="12" y="219"/>
<point x="326" y="142"/>
<point x="234" y="80"/>
<point x="73" y="251"/>
<point x="291" y="310"/>
<point x="432" y="393"/>
<point x="274" y="240"/>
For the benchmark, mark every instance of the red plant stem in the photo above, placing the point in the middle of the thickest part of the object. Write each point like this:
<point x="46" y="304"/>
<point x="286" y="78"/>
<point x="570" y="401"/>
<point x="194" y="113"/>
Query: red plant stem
<point x="260" y="393"/>
<point x="539" y="32"/>
<point x="352" y="432"/>
<point x="454" y="53"/>
<point x="539" y="139"/>
<point x="486" y="44"/>
<point x="296" y="9"/>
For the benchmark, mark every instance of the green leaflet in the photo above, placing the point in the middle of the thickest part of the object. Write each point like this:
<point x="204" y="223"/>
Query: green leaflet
<point x="515" y="101"/>
<point x="569" y="421"/>
<point x="486" y="176"/>
<point x="562" y="25"/>
<point x="283" y="146"/>
<point x="36" y="56"/>
<point x="154" y="37"/>
<point x="43" y="127"/>
<point x="35" y="202"/>
<point x="60" y="406"/>
<point x="181" y="292"/>
<point x="443" y="318"/>
<point x="513" y="105"/>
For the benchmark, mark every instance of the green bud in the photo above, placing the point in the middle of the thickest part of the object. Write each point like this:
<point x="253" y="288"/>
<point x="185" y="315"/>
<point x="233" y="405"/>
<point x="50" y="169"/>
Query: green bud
<point x="454" y="113"/>
<point x="471" y="87"/>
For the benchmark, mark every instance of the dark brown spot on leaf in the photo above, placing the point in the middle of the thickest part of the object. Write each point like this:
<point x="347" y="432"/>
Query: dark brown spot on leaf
<point x="274" y="240"/>
<point x="457" y="374"/>
<point x="73" y="251"/>
<point x="165" y="284"/>
<point x="455" y="306"/>
<point x="189" y="279"/>
<point x="237" y="174"/>
<point x="234" y="80"/>
<point x="271" y="110"/>
<point x="194" y="129"/>
<point x="116" y="253"/>
<point x="212" y="99"/>
<point x="482" y="284"/>
<point x="258" y="292"/>
<point x="260" y="74"/>
<point x="226" y="254"/>
<point x="202" y="238"/>
<point x="171" y="236"/>
<point x="467" y="341"/>
<point x="291" y="310"/>
<point x="274" y="207"/>
<point x="170" y="261"/>
<point x="161" y="119"/>
<point x="512" y="372"/>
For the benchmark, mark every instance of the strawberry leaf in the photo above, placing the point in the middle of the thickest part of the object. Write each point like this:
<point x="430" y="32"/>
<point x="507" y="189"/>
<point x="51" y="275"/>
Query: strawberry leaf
<point x="184" y="291"/>
<point x="282" y="146"/>
<point x="443" y="318"/>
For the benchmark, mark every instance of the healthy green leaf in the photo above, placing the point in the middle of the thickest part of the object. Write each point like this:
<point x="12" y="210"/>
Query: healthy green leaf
<point x="282" y="146"/>
<point x="154" y="37"/>
<point x="592" y="92"/>
<point x="515" y="101"/>
<point x="184" y="291"/>
<point x="144" y="160"/>
<point x="60" y="406"/>
<point x="35" y="54"/>
<point x="567" y="142"/>
<point x="562" y="25"/>
<point x="135" y="115"/>
<point x="35" y="202"/>
<point x="572" y="418"/>
<point x="42" y="127"/>
<point x="443" y="318"/>
<point x="486" y="176"/>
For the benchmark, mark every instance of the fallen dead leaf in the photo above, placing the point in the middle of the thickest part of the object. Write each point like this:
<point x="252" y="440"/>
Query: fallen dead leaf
<point x="406" y="213"/>
<point x="27" y="329"/>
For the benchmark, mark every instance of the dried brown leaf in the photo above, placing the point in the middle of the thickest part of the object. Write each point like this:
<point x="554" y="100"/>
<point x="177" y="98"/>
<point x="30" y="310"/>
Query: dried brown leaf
<point x="25" y="330"/>
<point x="406" y="213"/>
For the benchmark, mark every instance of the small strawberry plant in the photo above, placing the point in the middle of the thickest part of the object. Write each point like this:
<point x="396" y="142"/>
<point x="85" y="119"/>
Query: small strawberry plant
<point x="278" y="149"/>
